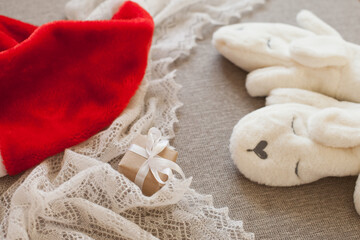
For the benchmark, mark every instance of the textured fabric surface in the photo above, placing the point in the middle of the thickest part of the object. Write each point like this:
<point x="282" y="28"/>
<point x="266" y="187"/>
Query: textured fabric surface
<point x="215" y="99"/>
<point x="36" y="12"/>
<point x="54" y="94"/>
<point x="64" y="189"/>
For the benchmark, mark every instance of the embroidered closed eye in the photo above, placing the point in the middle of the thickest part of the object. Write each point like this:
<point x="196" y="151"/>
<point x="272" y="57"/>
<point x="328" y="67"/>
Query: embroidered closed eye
<point x="268" y="43"/>
<point x="292" y="125"/>
<point x="299" y="126"/>
<point x="297" y="169"/>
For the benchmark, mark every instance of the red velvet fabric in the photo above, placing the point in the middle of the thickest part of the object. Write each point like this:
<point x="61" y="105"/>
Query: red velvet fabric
<point x="64" y="81"/>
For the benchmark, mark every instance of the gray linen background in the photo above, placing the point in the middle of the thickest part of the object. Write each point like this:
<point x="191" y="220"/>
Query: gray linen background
<point x="215" y="99"/>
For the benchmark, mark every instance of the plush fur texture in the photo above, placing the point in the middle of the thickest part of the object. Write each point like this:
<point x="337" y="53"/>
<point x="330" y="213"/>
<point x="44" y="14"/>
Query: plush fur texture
<point x="63" y="82"/>
<point x="300" y="137"/>
<point x="277" y="55"/>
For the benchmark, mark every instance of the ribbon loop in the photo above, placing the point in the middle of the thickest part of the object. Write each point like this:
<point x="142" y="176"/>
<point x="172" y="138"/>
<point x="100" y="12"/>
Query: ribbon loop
<point x="154" y="163"/>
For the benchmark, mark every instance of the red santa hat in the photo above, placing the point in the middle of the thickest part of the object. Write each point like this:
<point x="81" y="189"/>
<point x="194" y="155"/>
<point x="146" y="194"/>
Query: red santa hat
<point x="64" y="81"/>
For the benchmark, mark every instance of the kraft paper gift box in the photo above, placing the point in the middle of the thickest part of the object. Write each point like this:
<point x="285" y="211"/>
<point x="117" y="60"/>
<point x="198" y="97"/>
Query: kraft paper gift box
<point x="131" y="163"/>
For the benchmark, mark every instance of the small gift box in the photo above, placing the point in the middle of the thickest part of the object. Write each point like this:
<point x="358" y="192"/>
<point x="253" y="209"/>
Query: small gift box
<point x="149" y="162"/>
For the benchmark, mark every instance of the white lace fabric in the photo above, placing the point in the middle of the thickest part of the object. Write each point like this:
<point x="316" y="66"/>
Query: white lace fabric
<point x="78" y="195"/>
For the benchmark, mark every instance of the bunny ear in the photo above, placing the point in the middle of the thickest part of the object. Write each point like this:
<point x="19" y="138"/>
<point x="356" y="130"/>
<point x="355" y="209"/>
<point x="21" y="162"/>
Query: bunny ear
<point x="294" y="95"/>
<point x="301" y="96"/>
<point x="319" y="51"/>
<point x="309" y="21"/>
<point x="335" y="127"/>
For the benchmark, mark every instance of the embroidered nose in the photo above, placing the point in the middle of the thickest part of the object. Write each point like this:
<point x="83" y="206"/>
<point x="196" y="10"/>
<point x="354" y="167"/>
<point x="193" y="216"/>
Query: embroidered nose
<point x="259" y="149"/>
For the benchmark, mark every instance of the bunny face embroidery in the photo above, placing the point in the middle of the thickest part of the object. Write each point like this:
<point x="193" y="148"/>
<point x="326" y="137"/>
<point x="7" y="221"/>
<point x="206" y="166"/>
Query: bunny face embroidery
<point x="279" y="163"/>
<point x="290" y="144"/>
<point x="314" y="57"/>
<point x="259" y="149"/>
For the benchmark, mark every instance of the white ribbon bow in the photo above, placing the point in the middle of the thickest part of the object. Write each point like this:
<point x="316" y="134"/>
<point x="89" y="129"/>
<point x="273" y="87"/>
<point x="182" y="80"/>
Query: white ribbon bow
<point x="154" y="163"/>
